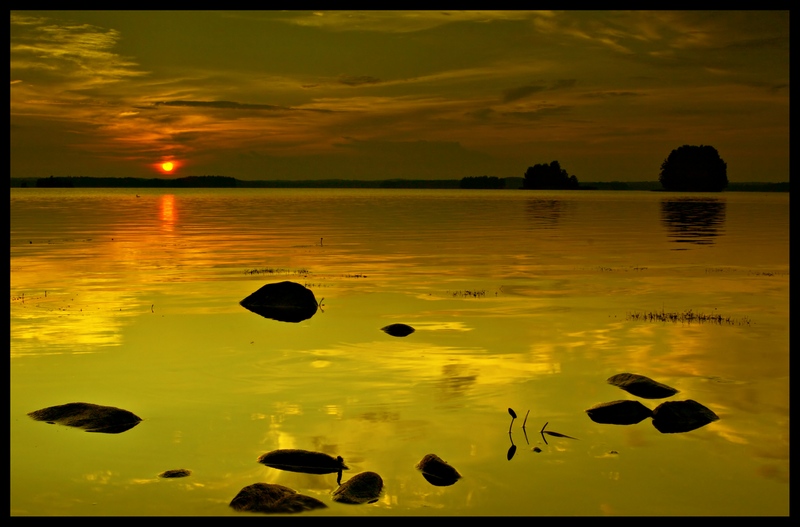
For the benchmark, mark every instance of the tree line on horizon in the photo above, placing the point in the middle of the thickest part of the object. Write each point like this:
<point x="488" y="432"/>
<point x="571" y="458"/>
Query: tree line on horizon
<point x="687" y="168"/>
<point x="105" y="182"/>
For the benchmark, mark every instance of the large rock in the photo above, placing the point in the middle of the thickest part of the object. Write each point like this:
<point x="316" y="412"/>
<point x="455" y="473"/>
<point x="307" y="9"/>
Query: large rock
<point x="641" y="386"/>
<point x="283" y="301"/>
<point x="89" y="417"/>
<point x="619" y="412"/>
<point x="273" y="498"/>
<point x="365" y="487"/>
<point x="674" y="417"/>
<point x="438" y="472"/>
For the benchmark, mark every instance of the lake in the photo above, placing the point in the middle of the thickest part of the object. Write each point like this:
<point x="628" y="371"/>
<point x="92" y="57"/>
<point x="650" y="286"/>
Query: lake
<point x="522" y="300"/>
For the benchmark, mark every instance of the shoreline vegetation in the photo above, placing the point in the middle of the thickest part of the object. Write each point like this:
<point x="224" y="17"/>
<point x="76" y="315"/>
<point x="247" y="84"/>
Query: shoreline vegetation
<point x="464" y="183"/>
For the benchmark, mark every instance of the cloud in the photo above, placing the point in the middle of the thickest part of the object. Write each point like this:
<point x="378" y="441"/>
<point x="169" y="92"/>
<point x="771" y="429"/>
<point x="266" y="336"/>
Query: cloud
<point x="539" y="113"/>
<point x="402" y="21"/>
<point x="515" y="94"/>
<point x="227" y="105"/>
<point x="358" y="80"/>
<point x="289" y="85"/>
<point x="613" y="93"/>
<point x="78" y="53"/>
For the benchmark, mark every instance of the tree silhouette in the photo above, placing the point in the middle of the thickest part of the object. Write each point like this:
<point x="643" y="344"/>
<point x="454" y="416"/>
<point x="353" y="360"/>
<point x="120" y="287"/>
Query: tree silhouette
<point x="552" y="176"/>
<point x="694" y="168"/>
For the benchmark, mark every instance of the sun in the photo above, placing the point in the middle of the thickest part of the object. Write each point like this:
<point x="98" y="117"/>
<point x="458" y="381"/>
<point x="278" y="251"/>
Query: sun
<point x="168" y="166"/>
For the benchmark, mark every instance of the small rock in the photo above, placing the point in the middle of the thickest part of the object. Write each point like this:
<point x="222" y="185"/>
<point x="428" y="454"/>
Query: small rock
<point x="89" y="417"/>
<point x="398" y="330"/>
<point x="641" y="386"/>
<point x="438" y="472"/>
<point x="273" y="498"/>
<point x="176" y="473"/>
<point x="674" y="417"/>
<point x="307" y="461"/>
<point x="283" y="301"/>
<point x="365" y="487"/>
<point x="619" y="412"/>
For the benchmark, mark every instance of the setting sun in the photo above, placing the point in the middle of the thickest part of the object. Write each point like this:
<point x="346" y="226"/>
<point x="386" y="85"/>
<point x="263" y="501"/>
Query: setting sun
<point x="168" y="166"/>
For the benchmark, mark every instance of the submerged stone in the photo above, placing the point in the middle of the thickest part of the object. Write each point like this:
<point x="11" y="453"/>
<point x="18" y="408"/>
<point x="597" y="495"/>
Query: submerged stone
<point x="365" y="487"/>
<point x="176" y="473"/>
<point x="641" y="386"/>
<point x="273" y="498"/>
<point x="619" y="412"/>
<point x="306" y="461"/>
<point x="398" y="330"/>
<point x="674" y="417"/>
<point x="89" y="417"/>
<point x="282" y="301"/>
<point x="438" y="472"/>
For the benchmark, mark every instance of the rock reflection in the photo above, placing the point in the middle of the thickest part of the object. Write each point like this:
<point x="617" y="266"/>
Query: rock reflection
<point x="693" y="220"/>
<point x="456" y="381"/>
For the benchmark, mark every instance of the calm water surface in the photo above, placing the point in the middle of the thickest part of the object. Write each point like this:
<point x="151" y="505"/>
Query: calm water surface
<point x="520" y="299"/>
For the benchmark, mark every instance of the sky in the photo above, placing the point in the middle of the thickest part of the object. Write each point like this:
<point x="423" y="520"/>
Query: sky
<point x="373" y="95"/>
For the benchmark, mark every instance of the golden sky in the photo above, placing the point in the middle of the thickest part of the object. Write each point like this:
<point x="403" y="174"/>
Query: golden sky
<point x="396" y="94"/>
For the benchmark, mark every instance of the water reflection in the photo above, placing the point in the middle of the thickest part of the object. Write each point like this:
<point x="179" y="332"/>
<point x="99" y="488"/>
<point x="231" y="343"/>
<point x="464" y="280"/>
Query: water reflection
<point x="544" y="213"/>
<point x="546" y="334"/>
<point x="167" y="210"/>
<point x="693" y="220"/>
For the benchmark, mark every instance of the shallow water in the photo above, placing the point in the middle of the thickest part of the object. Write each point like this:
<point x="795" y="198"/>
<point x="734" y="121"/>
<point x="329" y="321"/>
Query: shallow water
<point x="521" y="299"/>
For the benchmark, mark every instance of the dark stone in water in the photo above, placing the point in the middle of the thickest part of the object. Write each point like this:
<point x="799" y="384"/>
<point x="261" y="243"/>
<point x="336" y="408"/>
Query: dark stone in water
<point x="282" y="301"/>
<point x="438" y="472"/>
<point x="306" y="461"/>
<point x="674" y="417"/>
<point x="89" y="417"/>
<point x="398" y="330"/>
<point x="619" y="413"/>
<point x="641" y="386"/>
<point x="176" y="473"/>
<point x="365" y="487"/>
<point x="272" y="498"/>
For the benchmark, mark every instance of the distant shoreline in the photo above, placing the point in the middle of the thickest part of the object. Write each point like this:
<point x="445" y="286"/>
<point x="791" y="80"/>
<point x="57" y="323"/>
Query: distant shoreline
<point x="229" y="182"/>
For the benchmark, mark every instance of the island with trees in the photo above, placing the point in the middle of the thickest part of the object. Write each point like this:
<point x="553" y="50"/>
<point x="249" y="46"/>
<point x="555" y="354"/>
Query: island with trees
<point x="694" y="169"/>
<point x="549" y="177"/>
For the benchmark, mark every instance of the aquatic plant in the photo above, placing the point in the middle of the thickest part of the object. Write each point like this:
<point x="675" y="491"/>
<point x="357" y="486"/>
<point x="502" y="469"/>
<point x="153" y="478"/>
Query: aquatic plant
<point x="554" y="434"/>
<point x="467" y="294"/>
<point x="686" y="317"/>
<point x="269" y="270"/>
